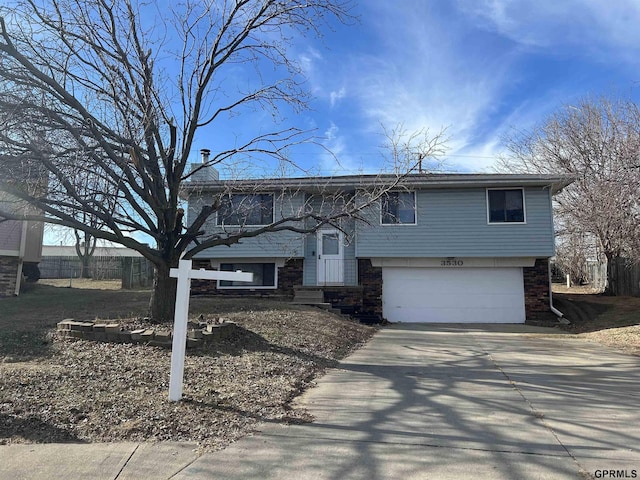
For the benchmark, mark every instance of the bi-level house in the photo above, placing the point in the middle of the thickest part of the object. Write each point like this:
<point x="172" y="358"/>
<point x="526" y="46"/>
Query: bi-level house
<point x="433" y="248"/>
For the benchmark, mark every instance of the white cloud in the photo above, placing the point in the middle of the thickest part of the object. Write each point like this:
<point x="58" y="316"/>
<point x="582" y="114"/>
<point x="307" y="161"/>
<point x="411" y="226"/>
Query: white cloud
<point x="331" y="134"/>
<point x="465" y="65"/>
<point x="421" y="78"/>
<point x="590" y="24"/>
<point x="309" y="60"/>
<point x="337" y="160"/>
<point x="334" y="96"/>
<point x="477" y="158"/>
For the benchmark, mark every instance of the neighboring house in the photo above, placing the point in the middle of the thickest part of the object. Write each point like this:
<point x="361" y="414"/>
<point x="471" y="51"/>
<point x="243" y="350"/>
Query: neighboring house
<point x="438" y="248"/>
<point x="20" y="251"/>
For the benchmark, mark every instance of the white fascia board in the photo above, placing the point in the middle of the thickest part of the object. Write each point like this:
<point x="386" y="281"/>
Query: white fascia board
<point x="455" y="262"/>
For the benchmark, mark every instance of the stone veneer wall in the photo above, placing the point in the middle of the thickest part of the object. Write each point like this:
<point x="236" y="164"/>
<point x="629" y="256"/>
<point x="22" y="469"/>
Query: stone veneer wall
<point x="288" y="276"/>
<point x="536" y="290"/>
<point x="370" y="278"/>
<point x="536" y="293"/>
<point x="8" y="273"/>
<point x="344" y="296"/>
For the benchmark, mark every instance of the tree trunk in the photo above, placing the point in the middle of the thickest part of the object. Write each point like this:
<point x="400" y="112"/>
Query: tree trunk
<point x="610" y="289"/>
<point x="86" y="270"/>
<point x="163" y="297"/>
<point x="85" y="249"/>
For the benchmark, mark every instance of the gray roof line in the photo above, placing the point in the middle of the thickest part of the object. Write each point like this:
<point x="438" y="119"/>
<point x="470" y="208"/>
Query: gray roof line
<point x="428" y="180"/>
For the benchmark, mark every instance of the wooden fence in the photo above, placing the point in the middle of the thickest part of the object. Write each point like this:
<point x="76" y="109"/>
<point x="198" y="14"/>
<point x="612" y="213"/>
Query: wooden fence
<point x="134" y="272"/>
<point x="625" y="277"/>
<point x="597" y="275"/>
<point x="100" y="268"/>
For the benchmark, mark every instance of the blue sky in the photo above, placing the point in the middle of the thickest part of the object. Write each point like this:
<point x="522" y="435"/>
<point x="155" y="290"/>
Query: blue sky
<point x="478" y="67"/>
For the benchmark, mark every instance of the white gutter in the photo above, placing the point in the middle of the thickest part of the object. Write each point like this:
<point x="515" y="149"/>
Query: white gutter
<point x="553" y="309"/>
<point x="23" y="246"/>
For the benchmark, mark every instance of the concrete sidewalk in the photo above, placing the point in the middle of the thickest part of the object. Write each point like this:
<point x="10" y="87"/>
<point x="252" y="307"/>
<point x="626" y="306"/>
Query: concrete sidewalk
<point x="419" y="401"/>
<point x="95" y="461"/>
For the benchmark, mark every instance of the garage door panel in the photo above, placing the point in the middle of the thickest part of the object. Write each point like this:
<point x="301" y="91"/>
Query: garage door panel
<point x="460" y="315"/>
<point x="461" y="295"/>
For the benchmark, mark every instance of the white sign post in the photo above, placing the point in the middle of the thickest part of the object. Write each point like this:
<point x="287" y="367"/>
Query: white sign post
<point x="184" y="273"/>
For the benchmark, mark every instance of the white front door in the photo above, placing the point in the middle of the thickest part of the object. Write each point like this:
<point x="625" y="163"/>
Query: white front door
<point x="330" y="257"/>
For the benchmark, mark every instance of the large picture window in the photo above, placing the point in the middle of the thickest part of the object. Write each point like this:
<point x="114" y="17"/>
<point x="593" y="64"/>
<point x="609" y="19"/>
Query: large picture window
<point x="246" y="209"/>
<point x="264" y="275"/>
<point x="506" y="206"/>
<point x="398" y="208"/>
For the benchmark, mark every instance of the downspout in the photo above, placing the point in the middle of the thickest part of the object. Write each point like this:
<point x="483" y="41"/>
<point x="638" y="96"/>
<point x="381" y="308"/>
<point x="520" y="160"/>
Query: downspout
<point x="23" y="246"/>
<point x="553" y="309"/>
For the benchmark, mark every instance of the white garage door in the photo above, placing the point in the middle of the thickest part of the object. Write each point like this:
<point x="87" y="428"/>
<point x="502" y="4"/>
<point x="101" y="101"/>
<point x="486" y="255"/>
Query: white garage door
<point x="457" y="295"/>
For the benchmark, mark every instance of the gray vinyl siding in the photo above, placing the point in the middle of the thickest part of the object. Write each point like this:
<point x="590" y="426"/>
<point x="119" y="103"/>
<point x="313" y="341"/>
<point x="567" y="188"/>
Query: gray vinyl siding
<point x="267" y="245"/>
<point x="450" y="223"/>
<point x="284" y="244"/>
<point x="351" y="263"/>
<point x="310" y="271"/>
<point x="453" y="223"/>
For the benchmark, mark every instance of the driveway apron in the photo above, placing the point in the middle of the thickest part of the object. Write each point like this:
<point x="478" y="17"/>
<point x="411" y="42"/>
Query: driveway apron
<point x="454" y="401"/>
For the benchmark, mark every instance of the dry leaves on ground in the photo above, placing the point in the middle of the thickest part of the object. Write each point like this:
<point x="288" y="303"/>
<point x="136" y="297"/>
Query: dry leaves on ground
<point x="626" y="339"/>
<point x="89" y="391"/>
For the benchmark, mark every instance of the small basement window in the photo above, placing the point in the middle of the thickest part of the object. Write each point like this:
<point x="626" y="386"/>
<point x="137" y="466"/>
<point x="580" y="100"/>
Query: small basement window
<point x="506" y="206"/>
<point x="264" y="275"/>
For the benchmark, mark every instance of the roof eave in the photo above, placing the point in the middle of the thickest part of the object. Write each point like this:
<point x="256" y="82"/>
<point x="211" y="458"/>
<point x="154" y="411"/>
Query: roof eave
<point x="355" y="182"/>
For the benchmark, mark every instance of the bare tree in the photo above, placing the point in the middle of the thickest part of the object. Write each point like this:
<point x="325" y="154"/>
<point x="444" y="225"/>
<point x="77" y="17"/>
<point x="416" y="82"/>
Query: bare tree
<point x="418" y="151"/>
<point x="597" y="142"/>
<point x="84" y="245"/>
<point x="115" y="91"/>
<point x="572" y="254"/>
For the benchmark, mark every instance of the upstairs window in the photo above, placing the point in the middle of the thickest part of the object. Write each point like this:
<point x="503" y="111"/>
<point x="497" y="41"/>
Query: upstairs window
<point x="398" y="208"/>
<point x="506" y="206"/>
<point x="246" y="209"/>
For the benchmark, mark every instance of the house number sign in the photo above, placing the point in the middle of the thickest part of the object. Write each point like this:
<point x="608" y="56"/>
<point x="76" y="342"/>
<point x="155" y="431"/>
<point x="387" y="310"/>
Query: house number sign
<point x="451" y="262"/>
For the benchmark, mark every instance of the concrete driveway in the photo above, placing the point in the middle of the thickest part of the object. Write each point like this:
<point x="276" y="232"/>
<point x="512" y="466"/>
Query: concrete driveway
<point x="419" y="401"/>
<point x="430" y="401"/>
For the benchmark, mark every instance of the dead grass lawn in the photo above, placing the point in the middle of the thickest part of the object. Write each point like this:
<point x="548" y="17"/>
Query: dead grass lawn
<point x="612" y="321"/>
<point x="58" y="390"/>
<point x="82" y="283"/>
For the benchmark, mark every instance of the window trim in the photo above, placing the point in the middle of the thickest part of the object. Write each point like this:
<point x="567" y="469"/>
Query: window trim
<point x="273" y="210"/>
<point x="524" y="206"/>
<point x="415" y="209"/>
<point x="249" y="287"/>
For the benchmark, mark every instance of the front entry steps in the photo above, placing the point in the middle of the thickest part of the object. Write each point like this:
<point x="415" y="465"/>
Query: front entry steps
<point x="308" y="296"/>
<point x="315" y="296"/>
<point x="312" y="296"/>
